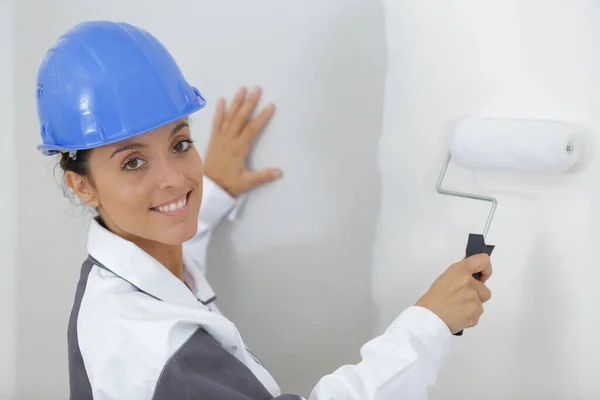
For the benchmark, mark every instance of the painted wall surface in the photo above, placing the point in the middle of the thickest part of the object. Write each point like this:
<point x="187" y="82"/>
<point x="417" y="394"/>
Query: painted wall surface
<point x="8" y="204"/>
<point x="294" y="271"/>
<point x="513" y="58"/>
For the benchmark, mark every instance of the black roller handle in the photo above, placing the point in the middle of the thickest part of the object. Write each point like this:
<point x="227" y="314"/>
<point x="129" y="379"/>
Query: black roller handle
<point x="476" y="245"/>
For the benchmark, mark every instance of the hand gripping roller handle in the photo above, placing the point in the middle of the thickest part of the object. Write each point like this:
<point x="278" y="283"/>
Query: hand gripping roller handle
<point x="476" y="243"/>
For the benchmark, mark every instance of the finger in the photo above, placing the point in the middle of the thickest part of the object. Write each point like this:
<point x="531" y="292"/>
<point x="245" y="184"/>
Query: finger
<point x="479" y="263"/>
<point x="235" y="106"/>
<point x="241" y="118"/>
<point x="483" y="291"/>
<point x="257" y="124"/>
<point x="255" y="179"/>
<point x="219" y="115"/>
<point x="475" y="310"/>
<point x="477" y="317"/>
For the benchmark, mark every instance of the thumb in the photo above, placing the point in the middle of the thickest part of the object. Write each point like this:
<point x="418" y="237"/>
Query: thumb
<point x="253" y="179"/>
<point x="480" y="263"/>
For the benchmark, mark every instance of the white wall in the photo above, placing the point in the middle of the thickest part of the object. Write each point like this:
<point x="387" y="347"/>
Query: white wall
<point x="294" y="272"/>
<point x="510" y="58"/>
<point x="8" y="204"/>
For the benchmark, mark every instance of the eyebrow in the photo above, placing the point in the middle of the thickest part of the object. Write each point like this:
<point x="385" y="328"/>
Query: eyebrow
<point x="132" y="146"/>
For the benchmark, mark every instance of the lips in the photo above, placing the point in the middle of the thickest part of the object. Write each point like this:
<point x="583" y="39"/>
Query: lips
<point x="173" y="205"/>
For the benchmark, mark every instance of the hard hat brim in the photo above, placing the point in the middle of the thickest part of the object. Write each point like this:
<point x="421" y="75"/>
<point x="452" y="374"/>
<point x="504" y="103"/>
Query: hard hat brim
<point x="50" y="150"/>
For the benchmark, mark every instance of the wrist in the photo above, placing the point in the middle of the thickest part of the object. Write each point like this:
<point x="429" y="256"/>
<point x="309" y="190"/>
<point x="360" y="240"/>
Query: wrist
<point x="424" y="303"/>
<point x="219" y="182"/>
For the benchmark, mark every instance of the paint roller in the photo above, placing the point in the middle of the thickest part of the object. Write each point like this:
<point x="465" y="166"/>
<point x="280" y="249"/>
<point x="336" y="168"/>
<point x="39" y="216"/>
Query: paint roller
<point x="516" y="145"/>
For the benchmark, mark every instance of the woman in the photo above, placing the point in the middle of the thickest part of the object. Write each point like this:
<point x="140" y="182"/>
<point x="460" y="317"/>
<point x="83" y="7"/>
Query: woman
<point x="144" y="324"/>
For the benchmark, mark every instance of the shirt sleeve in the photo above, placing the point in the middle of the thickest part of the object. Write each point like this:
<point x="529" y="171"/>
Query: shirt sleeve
<point x="216" y="205"/>
<point x="402" y="363"/>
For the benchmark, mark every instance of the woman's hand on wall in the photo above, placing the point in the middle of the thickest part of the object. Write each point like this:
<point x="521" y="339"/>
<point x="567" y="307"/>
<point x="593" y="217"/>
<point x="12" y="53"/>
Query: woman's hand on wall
<point x="456" y="297"/>
<point x="233" y="134"/>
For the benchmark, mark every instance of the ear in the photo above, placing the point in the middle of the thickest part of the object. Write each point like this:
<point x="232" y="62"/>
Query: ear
<point x="82" y="188"/>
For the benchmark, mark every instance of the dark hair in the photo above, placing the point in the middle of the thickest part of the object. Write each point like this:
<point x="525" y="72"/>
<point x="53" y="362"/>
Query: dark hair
<point x="79" y="164"/>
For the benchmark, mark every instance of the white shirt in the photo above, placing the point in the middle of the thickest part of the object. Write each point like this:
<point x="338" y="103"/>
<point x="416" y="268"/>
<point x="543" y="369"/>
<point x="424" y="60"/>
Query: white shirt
<point x="138" y="332"/>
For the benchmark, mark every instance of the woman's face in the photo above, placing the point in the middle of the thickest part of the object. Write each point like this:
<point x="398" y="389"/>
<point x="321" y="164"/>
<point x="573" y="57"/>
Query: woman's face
<point x="149" y="187"/>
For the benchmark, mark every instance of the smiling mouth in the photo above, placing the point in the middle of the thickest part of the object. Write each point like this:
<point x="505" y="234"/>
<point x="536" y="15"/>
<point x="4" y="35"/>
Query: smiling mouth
<point x="173" y="207"/>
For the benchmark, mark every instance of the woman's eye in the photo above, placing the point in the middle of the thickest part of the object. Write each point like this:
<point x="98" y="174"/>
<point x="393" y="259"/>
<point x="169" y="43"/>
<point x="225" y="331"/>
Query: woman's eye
<point x="133" y="165"/>
<point x="182" y="146"/>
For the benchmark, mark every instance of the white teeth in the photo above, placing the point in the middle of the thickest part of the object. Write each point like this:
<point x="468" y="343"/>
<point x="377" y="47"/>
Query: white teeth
<point x="173" y="206"/>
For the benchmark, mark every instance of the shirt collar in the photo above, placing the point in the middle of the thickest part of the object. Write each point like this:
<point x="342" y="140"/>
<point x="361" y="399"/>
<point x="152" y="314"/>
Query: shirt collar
<point x="131" y="263"/>
<point x="200" y="285"/>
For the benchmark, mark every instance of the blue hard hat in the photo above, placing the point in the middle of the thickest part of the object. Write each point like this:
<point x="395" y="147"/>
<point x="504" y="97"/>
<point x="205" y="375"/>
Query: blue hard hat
<point x="103" y="82"/>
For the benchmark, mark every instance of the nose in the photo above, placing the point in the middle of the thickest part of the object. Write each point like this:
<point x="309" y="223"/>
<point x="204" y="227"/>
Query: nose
<point x="171" y="176"/>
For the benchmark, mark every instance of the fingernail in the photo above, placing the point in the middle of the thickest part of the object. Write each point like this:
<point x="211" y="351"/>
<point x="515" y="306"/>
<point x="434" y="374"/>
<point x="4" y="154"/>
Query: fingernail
<point x="275" y="173"/>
